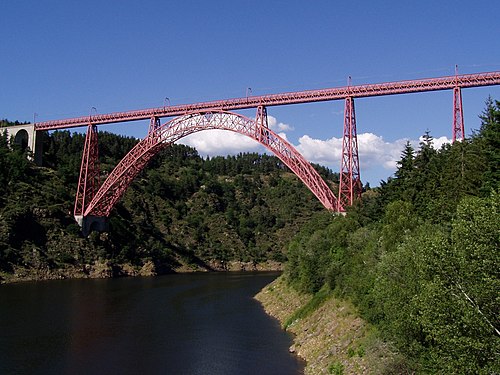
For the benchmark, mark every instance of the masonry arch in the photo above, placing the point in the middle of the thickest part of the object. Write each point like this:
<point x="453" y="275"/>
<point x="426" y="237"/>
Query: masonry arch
<point x="21" y="138"/>
<point x="161" y="137"/>
<point x="26" y="137"/>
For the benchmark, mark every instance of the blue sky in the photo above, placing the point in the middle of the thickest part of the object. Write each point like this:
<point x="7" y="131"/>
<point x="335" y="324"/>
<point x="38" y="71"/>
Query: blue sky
<point x="61" y="58"/>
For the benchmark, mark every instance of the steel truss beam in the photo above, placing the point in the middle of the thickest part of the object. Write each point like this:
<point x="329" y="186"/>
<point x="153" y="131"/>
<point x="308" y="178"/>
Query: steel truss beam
<point x="388" y="88"/>
<point x="157" y="139"/>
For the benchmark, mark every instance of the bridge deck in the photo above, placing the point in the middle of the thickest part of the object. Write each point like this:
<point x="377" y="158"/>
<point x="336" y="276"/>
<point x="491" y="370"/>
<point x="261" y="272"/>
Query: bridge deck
<point x="309" y="96"/>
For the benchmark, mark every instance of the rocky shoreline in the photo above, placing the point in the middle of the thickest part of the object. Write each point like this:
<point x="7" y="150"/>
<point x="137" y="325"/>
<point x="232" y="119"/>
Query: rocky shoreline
<point x="332" y="338"/>
<point x="102" y="269"/>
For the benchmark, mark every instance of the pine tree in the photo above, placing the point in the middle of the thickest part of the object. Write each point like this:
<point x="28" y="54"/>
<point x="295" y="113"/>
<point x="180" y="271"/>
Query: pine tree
<point x="426" y="175"/>
<point x="489" y="141"/>
<point x="4" y="150"/>
<point x="405" y="173"/>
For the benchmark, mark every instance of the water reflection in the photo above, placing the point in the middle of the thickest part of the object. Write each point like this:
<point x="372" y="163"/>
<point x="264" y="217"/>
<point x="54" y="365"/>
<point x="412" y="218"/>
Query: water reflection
<point x="175" y="324"/>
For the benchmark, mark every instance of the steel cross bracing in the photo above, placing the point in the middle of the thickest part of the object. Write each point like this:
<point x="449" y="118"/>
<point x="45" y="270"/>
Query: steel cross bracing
<point x="377" y="89"/>
<point x="88" y="183"/>
<point x="350" y="180"/>
<point x="160" y="137"/>
<point x="458" y="115"/>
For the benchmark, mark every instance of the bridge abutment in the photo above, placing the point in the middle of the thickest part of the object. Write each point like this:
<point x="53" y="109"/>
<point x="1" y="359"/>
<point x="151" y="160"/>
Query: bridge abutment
<point x="27" y="137"/>
<point x="91" y="223"/>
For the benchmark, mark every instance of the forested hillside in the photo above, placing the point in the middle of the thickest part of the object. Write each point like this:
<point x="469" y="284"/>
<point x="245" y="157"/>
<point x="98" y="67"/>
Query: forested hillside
<point x="182" y="210"/>
<point x="419" y="256"/>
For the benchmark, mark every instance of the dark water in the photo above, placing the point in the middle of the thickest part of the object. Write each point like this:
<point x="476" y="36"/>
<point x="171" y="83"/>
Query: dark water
<point x="175" y="324"/>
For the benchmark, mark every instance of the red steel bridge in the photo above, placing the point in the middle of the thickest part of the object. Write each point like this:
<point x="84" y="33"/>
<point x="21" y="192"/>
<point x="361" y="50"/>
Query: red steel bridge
<point x="94" y="201"/>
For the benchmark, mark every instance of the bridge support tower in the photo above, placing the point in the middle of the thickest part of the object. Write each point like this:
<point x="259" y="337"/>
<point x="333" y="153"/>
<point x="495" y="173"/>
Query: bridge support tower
<point x="350" y="183"/>
<point x="88" y="184"/>
<point x="458" y="132"/>
<point x="458" y="115"/>
<point x="261" y="133"/>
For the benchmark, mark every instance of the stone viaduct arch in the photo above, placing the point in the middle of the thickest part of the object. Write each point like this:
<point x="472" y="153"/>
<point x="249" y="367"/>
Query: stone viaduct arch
<point x="160" y="137"/>
<point x="25" y="135"/>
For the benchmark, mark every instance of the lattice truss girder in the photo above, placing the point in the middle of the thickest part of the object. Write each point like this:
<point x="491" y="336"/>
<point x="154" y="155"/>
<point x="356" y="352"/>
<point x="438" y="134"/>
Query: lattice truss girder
<point x="387" y="88"/>
<point x="129" y="167"/>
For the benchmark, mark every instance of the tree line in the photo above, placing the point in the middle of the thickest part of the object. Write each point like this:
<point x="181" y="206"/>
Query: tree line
<point x="5" y="122"/>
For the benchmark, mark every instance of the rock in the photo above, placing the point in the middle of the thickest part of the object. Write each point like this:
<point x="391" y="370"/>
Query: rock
<point x="86" y="269"/>
<point x="148" y="269"/>
<point x="127" y="270"/>
<point x="100" y="270"/>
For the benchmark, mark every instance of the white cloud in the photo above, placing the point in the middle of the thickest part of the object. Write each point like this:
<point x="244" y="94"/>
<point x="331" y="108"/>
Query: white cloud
<point x="220" y="142"/>
<point x="436" y="142"/>
<point x="377" y="156"/>
<point x="223" y="142"/>
<point x="277" y="126"/>
<point x="373" y="151"/>
<point x="283" y="135"/>
<point x="320" y="151"/>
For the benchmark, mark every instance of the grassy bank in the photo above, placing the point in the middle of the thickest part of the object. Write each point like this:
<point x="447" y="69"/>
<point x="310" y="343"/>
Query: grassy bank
<point x="328" y="333"/>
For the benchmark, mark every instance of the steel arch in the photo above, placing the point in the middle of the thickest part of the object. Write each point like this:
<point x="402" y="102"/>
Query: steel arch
<point x="160" y="137"/>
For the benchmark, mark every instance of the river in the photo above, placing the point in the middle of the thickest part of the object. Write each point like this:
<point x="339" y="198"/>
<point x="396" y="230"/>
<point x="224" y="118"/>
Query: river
<point x="204" y="323"/>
